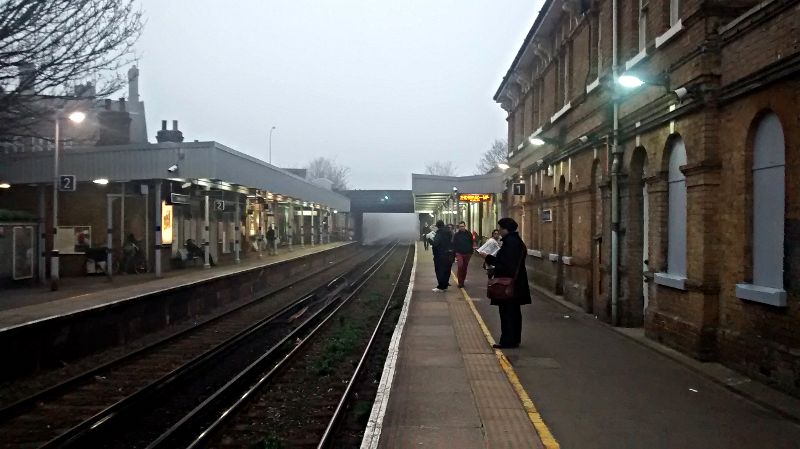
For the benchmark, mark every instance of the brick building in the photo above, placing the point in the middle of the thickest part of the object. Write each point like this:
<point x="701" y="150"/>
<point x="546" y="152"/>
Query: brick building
<point x="674" y="205"/>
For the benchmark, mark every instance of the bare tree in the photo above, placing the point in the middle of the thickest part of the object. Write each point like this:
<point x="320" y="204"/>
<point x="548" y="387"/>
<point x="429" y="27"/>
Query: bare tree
<point x="439" y="168"/>
<point x="325" y="168"/>
<point x="497" y="154"/>
<point x="46" y="47"/>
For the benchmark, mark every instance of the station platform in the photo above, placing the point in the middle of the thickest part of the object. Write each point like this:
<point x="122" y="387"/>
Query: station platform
<point x="574" y="382"/>
<point x="25" y="305"/>
<point x="450" y="388"/>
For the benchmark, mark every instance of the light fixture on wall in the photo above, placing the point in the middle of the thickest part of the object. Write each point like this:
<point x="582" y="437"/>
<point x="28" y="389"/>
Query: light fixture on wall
<point x="100" y="181"/>
<point x="5" y="185"/>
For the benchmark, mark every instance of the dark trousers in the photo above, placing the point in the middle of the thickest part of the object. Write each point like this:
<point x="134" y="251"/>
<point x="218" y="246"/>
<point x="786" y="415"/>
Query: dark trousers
<point x="463" y="263"/>
<point x="442" y="266"/>
<point x="510" y="324"/>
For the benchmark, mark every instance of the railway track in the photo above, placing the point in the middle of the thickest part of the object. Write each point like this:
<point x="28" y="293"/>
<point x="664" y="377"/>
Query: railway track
<point x="301" y="401"/>
<point x="58" y="415"/>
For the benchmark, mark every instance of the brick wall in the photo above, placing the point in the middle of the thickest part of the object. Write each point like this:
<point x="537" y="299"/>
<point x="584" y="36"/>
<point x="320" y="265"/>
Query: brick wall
<point x="726" y="50"/>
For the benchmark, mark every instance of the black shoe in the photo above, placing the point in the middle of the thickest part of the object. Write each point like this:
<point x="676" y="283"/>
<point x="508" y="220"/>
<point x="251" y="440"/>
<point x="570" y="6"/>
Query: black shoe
<point x="499" y="346"/>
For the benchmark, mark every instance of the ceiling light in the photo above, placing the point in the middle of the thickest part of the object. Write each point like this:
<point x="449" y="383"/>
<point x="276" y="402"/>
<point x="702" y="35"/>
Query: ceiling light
<point x="101" y="181"/>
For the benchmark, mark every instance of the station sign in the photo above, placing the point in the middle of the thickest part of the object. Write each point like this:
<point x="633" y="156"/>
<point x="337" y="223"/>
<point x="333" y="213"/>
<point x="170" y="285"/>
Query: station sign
<point x="219" y="205"/>
<point x="474" y="197"/>
<point x="66" y="183"/>
<point x="178" y="198"/>
<point x="547" y="215"/>
<point x="518" y="188"/>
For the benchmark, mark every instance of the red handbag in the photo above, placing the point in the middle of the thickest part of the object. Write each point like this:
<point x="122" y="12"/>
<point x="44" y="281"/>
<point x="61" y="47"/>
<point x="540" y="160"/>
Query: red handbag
<point x="502" y="288"/>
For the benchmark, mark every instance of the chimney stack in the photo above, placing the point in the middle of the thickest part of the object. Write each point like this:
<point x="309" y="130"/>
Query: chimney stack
<point x="171" y="135"/>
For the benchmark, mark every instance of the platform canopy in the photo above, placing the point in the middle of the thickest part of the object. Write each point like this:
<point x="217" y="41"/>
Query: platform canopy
<point x="209" y="163"/>
<point x="431" y="191"/>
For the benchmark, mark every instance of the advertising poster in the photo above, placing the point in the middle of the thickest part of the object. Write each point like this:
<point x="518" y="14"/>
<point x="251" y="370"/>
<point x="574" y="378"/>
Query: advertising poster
<point x="166" y="223"/>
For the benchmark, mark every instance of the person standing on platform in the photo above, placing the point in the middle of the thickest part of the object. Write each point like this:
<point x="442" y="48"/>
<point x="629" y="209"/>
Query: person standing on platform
<point x="510" y="263"/>
<point x="462" y="244"/>
<point x="271" y="240"/>
<point x="442" y="247"/>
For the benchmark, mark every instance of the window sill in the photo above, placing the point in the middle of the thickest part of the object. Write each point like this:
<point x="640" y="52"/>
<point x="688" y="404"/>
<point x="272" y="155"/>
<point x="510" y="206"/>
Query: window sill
<point x="669" y="34"/>
<point x="671" y="280"/>
<point x="535" y="253"/>
<point x="560" y="113"/>
<point x="765" y="295"/>
<point x="553" y="257"/>
<point x="593" y="85"/>
<point x="636" y="59"/>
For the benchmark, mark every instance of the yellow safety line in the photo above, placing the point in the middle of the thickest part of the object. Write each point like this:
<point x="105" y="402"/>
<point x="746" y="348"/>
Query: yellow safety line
<point x="548" y="440"/>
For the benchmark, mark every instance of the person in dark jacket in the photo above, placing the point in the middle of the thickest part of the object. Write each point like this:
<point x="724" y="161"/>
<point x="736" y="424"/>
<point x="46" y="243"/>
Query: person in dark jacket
<point x="462" y="245"/>
<point x="442" y="246"/>
<point x="509" y="259"/>
<point x="271" y="241"/>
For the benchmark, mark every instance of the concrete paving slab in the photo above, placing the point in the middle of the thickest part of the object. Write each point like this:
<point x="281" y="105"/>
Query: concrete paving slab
<point x="431" y="330"/>
<point x="439" y="409"/>
<point x="405" y="437"/>
<point x="433" y="380"/>
<point x="429" y="358"/>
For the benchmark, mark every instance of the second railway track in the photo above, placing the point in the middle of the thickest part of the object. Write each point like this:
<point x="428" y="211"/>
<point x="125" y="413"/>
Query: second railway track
<point x="54" y="417"/>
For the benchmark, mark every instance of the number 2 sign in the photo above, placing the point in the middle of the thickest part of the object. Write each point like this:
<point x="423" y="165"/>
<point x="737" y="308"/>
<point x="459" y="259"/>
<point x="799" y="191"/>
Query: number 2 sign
<point x="66" y="183"/>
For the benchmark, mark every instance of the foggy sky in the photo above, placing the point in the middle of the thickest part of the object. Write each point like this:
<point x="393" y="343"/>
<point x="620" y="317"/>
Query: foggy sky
<point x="382" y="86"/>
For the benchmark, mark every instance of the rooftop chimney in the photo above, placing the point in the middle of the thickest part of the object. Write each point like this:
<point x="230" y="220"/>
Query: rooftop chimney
<point x="133" y="84"/>
<point x="171" y="135"/>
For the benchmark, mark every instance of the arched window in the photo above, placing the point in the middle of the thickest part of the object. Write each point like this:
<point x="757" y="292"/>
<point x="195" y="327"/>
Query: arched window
<point x="769" y="194"/>
<point x="676" y="220"/>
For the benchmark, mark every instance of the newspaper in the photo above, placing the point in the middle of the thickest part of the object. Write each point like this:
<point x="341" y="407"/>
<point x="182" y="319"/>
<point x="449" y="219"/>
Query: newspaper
<point x="490" y="247"/>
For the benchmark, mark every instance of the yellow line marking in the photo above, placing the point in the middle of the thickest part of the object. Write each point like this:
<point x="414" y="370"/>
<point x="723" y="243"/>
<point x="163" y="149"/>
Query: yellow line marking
<point x="548" y="440"/>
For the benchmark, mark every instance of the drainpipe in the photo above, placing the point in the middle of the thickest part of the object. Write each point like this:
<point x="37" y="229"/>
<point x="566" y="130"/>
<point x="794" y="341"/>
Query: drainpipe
<point x="615" y="169"/>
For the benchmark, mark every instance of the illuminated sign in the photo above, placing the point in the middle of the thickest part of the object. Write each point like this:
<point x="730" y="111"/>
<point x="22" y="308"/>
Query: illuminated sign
<point x="474" y="197"/>
<point x="166" y="223"/>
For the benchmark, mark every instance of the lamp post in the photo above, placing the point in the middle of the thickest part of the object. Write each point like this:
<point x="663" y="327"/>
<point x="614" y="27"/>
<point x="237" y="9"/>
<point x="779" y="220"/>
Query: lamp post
<point x="270" y="143"/>
<point x="75" y="117"/>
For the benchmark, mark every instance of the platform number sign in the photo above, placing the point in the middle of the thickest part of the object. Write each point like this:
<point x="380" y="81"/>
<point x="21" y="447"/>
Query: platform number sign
<point x="66" y="183"/>
<point x="518" y="188"/>
<point x="219" y="205"/>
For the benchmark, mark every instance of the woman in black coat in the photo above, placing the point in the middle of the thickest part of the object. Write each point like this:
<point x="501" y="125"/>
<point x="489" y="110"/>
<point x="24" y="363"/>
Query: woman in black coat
<point x="509" y="259"/>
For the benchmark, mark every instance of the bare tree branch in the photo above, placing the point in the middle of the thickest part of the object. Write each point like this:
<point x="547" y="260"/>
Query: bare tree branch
<point x="328" y="169"/>
<point x="497" y="154"/>
<point x="439" y="168"/>
<point x="47" y="47"/>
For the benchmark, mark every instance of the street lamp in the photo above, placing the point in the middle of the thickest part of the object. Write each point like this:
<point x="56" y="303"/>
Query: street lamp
<point x="75" y="117"/>
<point x="538" y="141"/>
<point x="270" y="143"/>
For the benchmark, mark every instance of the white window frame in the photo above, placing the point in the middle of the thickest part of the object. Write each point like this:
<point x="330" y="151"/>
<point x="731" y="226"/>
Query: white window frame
<point x="768" y="215"/>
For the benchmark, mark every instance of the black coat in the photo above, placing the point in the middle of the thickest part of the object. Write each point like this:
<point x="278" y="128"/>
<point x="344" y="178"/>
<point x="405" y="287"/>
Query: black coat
<point x="506" y="263"/>
<point x="442" y="242"/>
<point x="462" y="242"/>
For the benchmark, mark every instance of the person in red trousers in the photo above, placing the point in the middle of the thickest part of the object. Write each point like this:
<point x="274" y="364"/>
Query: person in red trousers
<point x="462" y="244"/>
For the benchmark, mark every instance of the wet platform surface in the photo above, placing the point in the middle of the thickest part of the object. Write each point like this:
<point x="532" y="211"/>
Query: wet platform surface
<point x="449" y="390"/>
